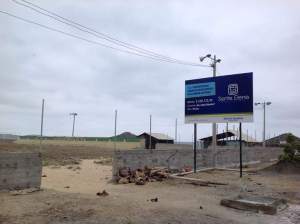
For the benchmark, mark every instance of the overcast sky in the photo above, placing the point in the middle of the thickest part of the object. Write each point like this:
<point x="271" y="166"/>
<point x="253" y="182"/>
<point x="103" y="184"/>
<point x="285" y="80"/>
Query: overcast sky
<point x="75" y="76"/>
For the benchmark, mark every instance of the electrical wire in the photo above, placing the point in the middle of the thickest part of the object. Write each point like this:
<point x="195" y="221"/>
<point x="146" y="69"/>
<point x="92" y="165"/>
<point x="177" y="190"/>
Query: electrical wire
<point x="85" y="29"/>
<point x="87" y="40"/>
<point x="96" y="33"/>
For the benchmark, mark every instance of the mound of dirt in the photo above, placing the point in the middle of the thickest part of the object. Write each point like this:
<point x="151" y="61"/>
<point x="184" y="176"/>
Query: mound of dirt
<point x="284" y="167"/>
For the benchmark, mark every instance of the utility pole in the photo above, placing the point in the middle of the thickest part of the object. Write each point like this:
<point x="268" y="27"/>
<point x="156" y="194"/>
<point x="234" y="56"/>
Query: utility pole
<point x="115" y="133"/>
<point x="150" y="143"/>
<point x="226" y="131"/>
<point x="264" y="104"/>
<point x="214" y="125"/>
<point x="247" y="138"/>
<point x="42" y="121"/>
<point x="195" y="147"/>
<point x="214" y="67"/>
<point x="176" y="130"/>
<point x="74" y="115"/>
<point x="241" y="153"/>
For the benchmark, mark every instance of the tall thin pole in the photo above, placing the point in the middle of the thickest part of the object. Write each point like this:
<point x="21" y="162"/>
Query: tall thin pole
<point x="115" y="133"/>
<point x="176" y="130"/>
<point x="247" y="137"/>
<point x="195" y="147"/>
<point x="150" y="140"/>
<point x="226" y="131"/>
<point x="214" y="128"/>
<point x="264" y="124"/>
<point x="241" y="156"/>
<point x="73" y="128"/>
<point x="73" y="125"/>
<point x="42" y="121"/>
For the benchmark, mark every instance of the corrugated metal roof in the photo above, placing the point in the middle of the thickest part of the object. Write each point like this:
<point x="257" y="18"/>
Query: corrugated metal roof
<point x="245" y="137"/>
<point x="230" y="133"/>
<point x="160" y="136"/>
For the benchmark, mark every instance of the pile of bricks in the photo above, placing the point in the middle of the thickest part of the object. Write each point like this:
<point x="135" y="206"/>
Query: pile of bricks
<point x="141" y="176"/>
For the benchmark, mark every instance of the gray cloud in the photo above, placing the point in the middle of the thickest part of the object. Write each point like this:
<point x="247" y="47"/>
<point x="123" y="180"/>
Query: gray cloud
<point x="258" y="36"/>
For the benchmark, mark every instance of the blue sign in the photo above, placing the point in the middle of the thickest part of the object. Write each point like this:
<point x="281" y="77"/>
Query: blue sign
<point x="219" y="99"/>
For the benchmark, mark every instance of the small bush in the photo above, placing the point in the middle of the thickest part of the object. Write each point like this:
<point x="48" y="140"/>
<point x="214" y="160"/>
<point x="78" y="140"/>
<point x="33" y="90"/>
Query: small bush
<point x="290" y="149"/>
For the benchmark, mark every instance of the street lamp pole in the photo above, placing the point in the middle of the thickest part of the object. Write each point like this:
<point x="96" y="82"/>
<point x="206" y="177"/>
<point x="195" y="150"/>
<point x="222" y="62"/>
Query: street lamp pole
<point x="74" y="115"/>
<point x="264" y="104"/>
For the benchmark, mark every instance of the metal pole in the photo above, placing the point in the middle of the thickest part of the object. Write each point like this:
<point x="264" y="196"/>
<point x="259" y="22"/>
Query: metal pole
<point x="247" y="138"/>
<point x="150" y="141"/>
<point x="214" y="128"/>
<point x="115" y="137"/>
<point x="73" y="125"/>
<point x="241" y="157"/>
<point x="195" y="147"/>
<point x="264" y="124"/>
<point x="176" y="130"/>
<point x="226" y="131"/>
<point x="42" y="122"/>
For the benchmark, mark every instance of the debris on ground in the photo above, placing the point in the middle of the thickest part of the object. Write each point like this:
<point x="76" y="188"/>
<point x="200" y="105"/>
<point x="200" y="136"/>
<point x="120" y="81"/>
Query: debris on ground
<point x="197" y="182"/>
<point x="24" y="191"/>
<point x="77" y="168"/>
<point x="267" y="205"/>
<point x="103" y="161"/>
<point x="141" y="176"/>
<point x="154" y="199"/>
<point x="67" y="187"/>
<point x="186" y="169"/>
<point x="44" y="175"/>
<point x="102" y="194"/>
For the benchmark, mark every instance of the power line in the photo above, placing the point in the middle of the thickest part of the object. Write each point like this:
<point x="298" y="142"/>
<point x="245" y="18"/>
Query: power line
<point x="98" y="34"/>
<point x="92" y="41"/>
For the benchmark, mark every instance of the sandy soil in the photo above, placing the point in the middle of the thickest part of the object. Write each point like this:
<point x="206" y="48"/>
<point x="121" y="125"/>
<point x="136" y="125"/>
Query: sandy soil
<point x="177" y="202"/>
<point x="86" y="178"/>
<point x="60" y="154"/>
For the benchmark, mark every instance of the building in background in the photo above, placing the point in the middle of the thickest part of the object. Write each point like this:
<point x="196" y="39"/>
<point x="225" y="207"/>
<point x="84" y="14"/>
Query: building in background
<point x="8" y="138"/>
<point x="229" y="138"/>
<point x="280" y="140"/>
<point x="155" y="138"/>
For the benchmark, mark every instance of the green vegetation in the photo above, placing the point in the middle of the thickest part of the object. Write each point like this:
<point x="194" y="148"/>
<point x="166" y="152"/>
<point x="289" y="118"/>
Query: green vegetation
<point x="291" y="150"/>
<point x="100" y="139"/>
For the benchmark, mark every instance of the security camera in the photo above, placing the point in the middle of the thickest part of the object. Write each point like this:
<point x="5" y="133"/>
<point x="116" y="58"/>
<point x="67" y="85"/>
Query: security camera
<point x="209" y="55"/>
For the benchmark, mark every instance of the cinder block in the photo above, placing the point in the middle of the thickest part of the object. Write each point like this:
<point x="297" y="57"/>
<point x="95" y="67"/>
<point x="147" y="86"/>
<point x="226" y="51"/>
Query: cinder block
<point x="20" y="170"/>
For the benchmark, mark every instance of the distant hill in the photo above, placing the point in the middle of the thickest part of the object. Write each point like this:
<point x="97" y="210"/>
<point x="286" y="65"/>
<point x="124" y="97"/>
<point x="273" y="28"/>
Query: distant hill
<point x="126" y="134"/>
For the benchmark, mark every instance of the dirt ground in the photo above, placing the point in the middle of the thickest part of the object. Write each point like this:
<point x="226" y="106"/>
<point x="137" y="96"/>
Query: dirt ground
<point x="69" y="196"/>
<point x="73" y="176"/>
<point x="53" y="154"/>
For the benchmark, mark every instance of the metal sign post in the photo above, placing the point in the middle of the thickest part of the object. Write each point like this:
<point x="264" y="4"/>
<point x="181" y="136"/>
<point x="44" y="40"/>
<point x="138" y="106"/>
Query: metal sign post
<point x="195" y="147"/>
<point x="241" y="152"/>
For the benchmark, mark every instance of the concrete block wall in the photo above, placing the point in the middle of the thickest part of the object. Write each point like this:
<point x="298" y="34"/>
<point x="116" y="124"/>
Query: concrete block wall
<point x="20" y="170"/>
<point x="164" y="146"/>
<point x="178" y="159"/>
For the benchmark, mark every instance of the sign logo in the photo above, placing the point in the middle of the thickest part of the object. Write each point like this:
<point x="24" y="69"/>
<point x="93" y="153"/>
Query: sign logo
<point x="233" y="89"/>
